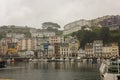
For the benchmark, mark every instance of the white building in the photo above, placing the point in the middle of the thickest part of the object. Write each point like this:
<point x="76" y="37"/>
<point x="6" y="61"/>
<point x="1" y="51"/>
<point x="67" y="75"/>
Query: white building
<point x="15" y="35"/>
<point x="42" y="33"/>
<point x="75" y="26"/>
<point x="56" y="39"/>
<point x="81" y="53"/>
<point x="97" y="47"/>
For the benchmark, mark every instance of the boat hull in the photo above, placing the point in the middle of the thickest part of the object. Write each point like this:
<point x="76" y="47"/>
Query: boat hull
<point x="110" y="70"/>
<point x="2" y="64"/>
<point x="109" y="76"/>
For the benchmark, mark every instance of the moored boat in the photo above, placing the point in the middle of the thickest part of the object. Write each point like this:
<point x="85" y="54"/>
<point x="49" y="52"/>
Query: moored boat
<point x="110" y="70"/>
<point x="2" y="63"/>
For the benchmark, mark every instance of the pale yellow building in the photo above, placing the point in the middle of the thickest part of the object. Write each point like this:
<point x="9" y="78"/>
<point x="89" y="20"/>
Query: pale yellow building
<point x="89" y="50"/>
<point x="64" y="50"/>
<point x="115" y="49"/>
<point x="3" y="46"/>
<point x="13" y="48"/>
<point x="74" y="46"/>
<point x="110" y="50"/>
<point x="51" y="51"/>
<point x="106" y="51"/>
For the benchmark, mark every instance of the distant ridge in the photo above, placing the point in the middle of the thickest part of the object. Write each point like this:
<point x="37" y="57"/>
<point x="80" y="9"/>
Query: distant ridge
<point x="105" y="21"/>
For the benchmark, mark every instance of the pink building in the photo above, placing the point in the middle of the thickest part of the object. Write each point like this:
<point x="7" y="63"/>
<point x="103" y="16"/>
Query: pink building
<point x="27" y="44"/>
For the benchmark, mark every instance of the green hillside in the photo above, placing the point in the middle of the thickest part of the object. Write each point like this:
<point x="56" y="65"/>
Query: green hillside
<point x="103" y="33"/>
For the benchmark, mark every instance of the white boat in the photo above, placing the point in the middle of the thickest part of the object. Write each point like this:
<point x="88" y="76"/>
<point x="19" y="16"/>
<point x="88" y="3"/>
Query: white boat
<point x="43" y="60"/>
<point x="67" y="59"/>
<point x="110" y="70"/>
<point x="84" y="60"/>
<point x="98" y="60"/>
<point x="61" y="59"/>
<point x="72" y="60"/>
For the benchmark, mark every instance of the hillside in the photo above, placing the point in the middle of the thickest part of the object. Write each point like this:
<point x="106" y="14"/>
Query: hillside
<point x="107" y="21"/>
<point x="111" y="21"/>
<point x="14" y="29"/>
<point x="104" y="34"/>
<point x="24" y="30"/>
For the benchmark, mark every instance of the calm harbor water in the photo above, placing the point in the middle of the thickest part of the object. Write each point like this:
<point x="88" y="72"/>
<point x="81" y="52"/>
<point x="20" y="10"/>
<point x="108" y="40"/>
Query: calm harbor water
<point x="51" y="71"/>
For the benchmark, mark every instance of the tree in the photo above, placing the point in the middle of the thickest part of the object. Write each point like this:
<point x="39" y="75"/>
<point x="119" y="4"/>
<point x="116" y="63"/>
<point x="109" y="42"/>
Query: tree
<point x="105" y="34"/>
<point x="87" y="37"/>
<point x="4" y="27"/>
<point x="49" y="25"/>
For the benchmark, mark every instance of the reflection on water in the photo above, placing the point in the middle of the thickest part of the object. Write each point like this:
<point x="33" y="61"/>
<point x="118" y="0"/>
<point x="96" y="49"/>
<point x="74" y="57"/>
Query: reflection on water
<point x="51" y="71"/>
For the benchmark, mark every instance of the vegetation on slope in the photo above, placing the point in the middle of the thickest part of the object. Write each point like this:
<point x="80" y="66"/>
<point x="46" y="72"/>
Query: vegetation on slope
<point x="103" y="33"/>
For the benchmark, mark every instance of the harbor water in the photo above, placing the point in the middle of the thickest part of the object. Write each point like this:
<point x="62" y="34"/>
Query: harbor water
<point x="51" y="71"/>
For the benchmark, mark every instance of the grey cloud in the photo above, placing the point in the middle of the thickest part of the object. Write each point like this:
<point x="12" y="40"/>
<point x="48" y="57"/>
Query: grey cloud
<point x="35" y="12"/>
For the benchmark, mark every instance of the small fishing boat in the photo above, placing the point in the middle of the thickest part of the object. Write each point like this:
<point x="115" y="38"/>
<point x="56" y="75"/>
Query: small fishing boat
<point x="2" y="63"/>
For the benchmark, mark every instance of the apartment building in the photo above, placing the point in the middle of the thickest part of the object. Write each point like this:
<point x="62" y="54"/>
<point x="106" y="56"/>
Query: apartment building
<point x="97" y="47"/>
<point x="106" y="51"/>
<point x="56" y="39"/>
<point x="81" y="53"/>
<point x="41" y="41"/>
<point x="57" y="50"/>
<point x="42" y="33"/>
<point x="15" y="35"/>
<point x="64" y="50"/>
<point x="27" y="44"/>
<point x="115" y="49"/>
<point x="12" y="48"/>
<point x="110" y="50"/>
<point x="73" y="46"/>
<point x="51" y="51"/>
<point x="9" y="45"/>
<point x="89" y="49"/>
<point x="4" y="46"/>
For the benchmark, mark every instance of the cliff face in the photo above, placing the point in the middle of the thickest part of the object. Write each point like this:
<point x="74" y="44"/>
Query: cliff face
<point x="112" y="21"/>
<point x="105" y="21"/>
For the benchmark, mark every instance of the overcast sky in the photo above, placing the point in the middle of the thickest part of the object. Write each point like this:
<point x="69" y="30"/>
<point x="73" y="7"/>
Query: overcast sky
<point x="34" y="12"/>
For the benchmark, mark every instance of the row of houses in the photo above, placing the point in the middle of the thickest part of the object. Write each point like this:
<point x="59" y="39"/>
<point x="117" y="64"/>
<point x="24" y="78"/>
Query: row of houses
<point x="49" y="46"/>
<point x="55" y="46"/>
<point x="98" y="49"/>
<point x="41" y="33"/>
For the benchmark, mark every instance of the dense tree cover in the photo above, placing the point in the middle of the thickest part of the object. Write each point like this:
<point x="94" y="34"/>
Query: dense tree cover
<point x="49" y="25"/>
<point x="27" y="34"/>
<point x="2" y="34"/>
<point x="103" y="33"/>
<point x="59" y="33"/>
<point x="51" y="29"/>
